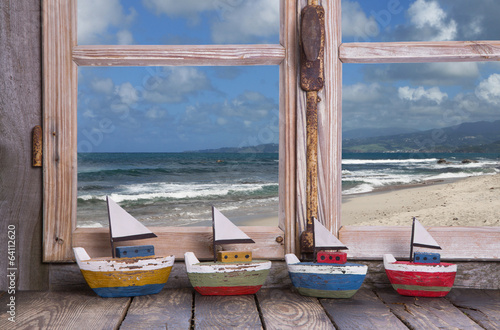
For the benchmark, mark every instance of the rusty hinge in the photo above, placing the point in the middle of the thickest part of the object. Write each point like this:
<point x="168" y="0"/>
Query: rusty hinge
<point x="312" y="40"/>
<point x="37" y="146"/>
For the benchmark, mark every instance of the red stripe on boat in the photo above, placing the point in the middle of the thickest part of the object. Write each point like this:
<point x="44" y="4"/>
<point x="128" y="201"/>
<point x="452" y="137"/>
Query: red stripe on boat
<point x="438" y="279"/>
<point x="227" y="290"/>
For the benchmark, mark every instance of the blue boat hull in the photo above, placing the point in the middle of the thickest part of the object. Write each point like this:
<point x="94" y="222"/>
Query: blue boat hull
<point x="129" y="291"/>
<point x="325" y="280"/>
<point x="327" y="285"/>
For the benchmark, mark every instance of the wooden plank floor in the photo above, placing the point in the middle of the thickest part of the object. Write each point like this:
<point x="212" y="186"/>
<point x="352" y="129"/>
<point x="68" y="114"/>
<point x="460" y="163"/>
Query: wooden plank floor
<point x="268" y="309"/>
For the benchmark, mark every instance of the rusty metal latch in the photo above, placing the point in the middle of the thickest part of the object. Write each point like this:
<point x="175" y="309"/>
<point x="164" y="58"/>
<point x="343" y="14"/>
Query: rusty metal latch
<point x="312" y="40"/>
<point x="37" y="146"/>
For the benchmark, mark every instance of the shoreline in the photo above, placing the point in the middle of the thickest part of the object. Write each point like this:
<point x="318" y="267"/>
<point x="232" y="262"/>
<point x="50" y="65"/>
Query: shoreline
<point x="461" y="202"/>
<point x="467" y="201"/>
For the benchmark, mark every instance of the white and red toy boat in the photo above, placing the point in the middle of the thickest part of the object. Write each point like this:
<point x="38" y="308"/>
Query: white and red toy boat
<point x="424" y="275"/>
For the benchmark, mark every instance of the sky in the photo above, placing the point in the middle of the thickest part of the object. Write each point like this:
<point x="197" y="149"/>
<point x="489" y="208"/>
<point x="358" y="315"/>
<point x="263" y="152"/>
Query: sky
<point x="174" y="109"/>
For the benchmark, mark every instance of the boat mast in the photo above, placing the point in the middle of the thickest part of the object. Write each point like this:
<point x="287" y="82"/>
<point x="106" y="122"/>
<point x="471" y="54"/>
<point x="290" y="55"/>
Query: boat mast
<point x="412" y="237"/>
<point x="110" y="230"/>
<point x="213" y="230"/>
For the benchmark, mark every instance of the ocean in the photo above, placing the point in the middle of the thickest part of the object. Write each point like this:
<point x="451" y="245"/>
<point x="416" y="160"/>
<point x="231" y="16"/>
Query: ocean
<point x="178" y="189"/>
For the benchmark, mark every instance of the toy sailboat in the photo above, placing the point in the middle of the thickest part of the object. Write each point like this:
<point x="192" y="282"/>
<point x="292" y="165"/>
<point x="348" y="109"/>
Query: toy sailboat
<point x="135" y="270"/>
<point x="426" y="275"/>
<point x="231" y="272"/>
<point x="329" y="276"/>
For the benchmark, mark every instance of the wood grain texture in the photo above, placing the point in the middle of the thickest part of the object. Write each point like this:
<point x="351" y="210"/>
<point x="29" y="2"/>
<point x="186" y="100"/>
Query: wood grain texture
<point x="288" y="125"/>
<point x="60" y="130"/>
<point x="330" y="123"/>
<point x="268" y="242"/>
<point x="482" y="306"/>
<point x="60" y="310"/>
<point x="426" y="313"/>
<point x="363" y="311"/>
<point x="458" y="243"/>
<point x="169" y="309"/>
<point x="284" y="309"/>
<point x="226" y="312"/>
<point x="173" y="55"/>
<point x="415" y="52"/>
<point x="20" y="111"/>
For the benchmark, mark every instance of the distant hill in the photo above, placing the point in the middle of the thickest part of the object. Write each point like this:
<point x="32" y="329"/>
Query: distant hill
<point x="480" y="136"/>
<point x="260" y="149"/>
<point x="360" y="133"/>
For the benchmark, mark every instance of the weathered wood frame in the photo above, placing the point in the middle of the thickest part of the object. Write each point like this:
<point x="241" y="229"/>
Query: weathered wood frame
<point x="61" y="56"/>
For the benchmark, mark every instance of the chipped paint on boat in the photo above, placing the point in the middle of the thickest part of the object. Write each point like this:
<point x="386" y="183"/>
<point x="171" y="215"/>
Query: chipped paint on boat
<point x="325" y="280"/>
<point x="124" y="277"/>
<point x="420" y="280"/>
<point x="222" y="278"/>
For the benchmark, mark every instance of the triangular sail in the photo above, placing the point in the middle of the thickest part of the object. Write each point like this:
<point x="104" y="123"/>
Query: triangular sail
<point x="422" y="238"/>
<point x="324" y="239"/>
<point x="123" y="226"/>
<point x="225" y="232"/>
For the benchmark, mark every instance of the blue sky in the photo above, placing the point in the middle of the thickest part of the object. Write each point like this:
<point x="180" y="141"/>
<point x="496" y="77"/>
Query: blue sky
<point x="190" y="108"/>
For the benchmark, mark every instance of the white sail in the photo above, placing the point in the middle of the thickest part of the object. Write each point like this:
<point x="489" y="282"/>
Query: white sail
<point x="225" y="231"/>
<point x="324" y="239"/>
<point x="123" y="226"/>
<point x="422" y="238"/>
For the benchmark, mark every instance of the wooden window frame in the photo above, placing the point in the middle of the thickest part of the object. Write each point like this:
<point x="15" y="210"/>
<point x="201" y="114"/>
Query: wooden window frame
<point x="61" y="57"/>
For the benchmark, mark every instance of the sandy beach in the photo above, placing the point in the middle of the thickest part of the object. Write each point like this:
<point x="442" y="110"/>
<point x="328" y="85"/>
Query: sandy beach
<point x="473" y="201"/>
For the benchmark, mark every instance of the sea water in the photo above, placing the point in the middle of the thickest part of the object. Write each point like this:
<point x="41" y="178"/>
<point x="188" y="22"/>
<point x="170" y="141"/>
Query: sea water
<point x="178" y="189"/>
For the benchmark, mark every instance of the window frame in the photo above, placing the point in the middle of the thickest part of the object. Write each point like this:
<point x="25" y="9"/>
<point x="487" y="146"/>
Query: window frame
<point x="61" y="57"/>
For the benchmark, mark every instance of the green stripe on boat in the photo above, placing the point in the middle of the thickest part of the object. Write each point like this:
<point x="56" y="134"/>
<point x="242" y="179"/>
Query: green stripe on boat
<point x="236" y="278"/>
<point x="420" y="287"/>
<point x="326" y="293"/>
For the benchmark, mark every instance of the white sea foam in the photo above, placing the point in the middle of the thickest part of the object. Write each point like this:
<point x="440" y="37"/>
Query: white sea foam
<point x="149" y="191"/>
<point x="387" y="161"/>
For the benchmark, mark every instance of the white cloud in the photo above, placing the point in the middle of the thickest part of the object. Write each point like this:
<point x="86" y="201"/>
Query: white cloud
<point x="360" y="93"/>
<point x="105" y="86"/>
<point x="235" y="21"/>
<point x="416" y="94"/>
<point x="428" y="14"/>
<point x="127" y="93"/>
<point x="355" y="23"/>
<point x="173" y="84"/>
<point x="155" y="113"/>
<point x="95" y="17"/>
<point x="247" y="22"/>
<point x="489" y="89"/>
<point x="190" y="9"/>
<point x="125" y="37"/>
<point x="457" y="70"/>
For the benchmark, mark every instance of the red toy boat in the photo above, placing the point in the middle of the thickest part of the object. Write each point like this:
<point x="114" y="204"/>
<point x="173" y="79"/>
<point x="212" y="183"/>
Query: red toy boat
<point x="425" y="275"/>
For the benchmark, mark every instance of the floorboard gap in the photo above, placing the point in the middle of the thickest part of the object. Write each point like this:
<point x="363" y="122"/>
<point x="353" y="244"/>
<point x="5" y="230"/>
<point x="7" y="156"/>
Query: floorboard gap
<point x="399" y="318"/>
<point x="260" y="312"/>
<point x="124" y="314"/>
<point x="192" y="310"/>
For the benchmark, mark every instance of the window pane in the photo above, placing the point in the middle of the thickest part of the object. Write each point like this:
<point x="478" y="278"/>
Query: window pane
<point x="419" y="20"/>
<point x="434" y="128"/>
<point x="173" y="22"/>
<point x="168" y="142"/>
